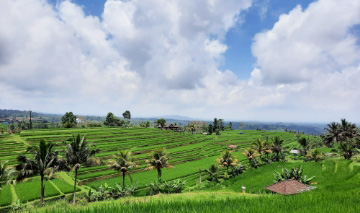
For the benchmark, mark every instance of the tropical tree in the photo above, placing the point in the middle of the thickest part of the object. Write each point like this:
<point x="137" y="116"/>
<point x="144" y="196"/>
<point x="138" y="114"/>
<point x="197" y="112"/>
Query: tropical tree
<point x="123" y="163"/>
<point x="230" y="125"/>
<point x="45" y="161"/>
<point x="215" y="124"/>
<point x="221" y="124"/>
<point x="6" y="173"/>
<point x="277" y="147"/>
<point x="259" y="145"/>
<point x="348" y="130"/>
<point x="317" y="155"/>
<point x="211" y="128"/>
<point x="348" y="148"/>
<point x="160" y="122"/>
<point x="251" y="156"/>
<point x="192" y="128"/>
<point x="127" y="115"/>
<point x="112" y="120"/>
<point x="158" y="160"/>
<point x="78" y="152"/>
<point x="305" y="143"/>
<point x="213" y="173"/>
<point x="227" y="159"/>
<point x="68" y="120"/>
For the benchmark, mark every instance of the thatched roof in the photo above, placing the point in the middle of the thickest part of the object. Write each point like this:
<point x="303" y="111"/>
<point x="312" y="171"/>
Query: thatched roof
<point x="288" y="187"/>
<point x="233" y="146"/>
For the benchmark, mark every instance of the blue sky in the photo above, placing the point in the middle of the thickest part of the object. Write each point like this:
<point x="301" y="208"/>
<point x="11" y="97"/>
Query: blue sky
<point x="266" y="60"/>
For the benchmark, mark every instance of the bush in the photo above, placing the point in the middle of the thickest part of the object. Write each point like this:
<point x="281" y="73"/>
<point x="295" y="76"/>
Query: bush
<point x="294" y="173"/>
<point x="175" y="186"/>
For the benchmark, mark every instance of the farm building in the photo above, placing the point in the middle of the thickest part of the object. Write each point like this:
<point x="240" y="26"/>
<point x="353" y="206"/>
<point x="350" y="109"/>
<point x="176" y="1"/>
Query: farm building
<point x="288" y="187"/>
<point x="170" y="127"/>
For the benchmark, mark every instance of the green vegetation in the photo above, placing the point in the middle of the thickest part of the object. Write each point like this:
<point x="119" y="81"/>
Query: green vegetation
<point x="5" y="196"/>
<point x="29" y="191"/>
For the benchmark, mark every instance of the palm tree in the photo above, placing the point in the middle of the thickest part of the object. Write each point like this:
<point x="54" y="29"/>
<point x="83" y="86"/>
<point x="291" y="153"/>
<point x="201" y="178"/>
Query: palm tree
<point x="251" y="155"/>
<point x="213" y="173"/>
<point x="277" y="146"/>
<point x="77" y="153"/>
<point x="259" y="145"/>
<point x="305" y="144"/>
<point x="6" y="173"/>
<point x="333" y="134"/>
<point x="348" y="130"/>
<point x="347" y="147"/>
<point x="123" y="163"/>
<point x="45" y="161"/>
<point x="226" y="159"/>
<point x="192" y="128"/>
<point x="158" y="161"/>
<point x="317" y="155"/>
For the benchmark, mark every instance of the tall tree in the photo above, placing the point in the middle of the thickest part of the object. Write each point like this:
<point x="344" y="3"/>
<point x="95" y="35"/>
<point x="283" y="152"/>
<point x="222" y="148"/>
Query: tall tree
<point x="213" y="173"/>
<point x="277" y="147"/>
<point x="211" y="128"/>
<point x="44" y="161"/>
<point x="230" y="125"/>
<point x="227" y="159"/>
<point x="123" y="162"/>
<point x="112" y="120"/>
<point x="160" y="122"/>
<point x="158" y="160"/>
<point x="68" y="120"/>
<point x="221" y="125"/>
<point x="192" y="128"/>
<point x="6" y="173"/>
<point x="215" y="124"/>
<point x="78" y="153"/>
<point x="251" y="156"/>
<point x="305" y="143"/>
<point x="259" y="145"/>
<point x="127" y="115"/>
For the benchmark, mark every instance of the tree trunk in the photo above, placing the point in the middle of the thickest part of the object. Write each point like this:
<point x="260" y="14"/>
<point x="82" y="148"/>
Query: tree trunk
<point x="123" y="179"/>
<point x="42" y="190"/>
<point x="74" y="199"/>
<point x="159" y="173"/>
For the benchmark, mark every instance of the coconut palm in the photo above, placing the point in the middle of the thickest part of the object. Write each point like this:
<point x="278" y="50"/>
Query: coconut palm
<point x="123" y="163"/>
<point x="277" y="146"/>
<point x="158" y="160"/>
<point x="226" y="159"/>
<point x="78" y="153"/>
<point x="44" y="161"/>
<point x="6" y="173"/>
<point x="251" y="155"/>
<point x="333" y="134"/>
<point x="259" y="145"/>
<point x="213" y="173"/>
<point x="348" y="130"/>
<point x="305" y="144"/>
<point x="347" y="147"/>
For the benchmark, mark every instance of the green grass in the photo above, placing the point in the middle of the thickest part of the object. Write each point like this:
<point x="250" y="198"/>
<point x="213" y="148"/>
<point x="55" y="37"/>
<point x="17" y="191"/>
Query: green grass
<point x="5" y="196"/>
<point x="29" y="191"/>
<point x="64" y="187"/>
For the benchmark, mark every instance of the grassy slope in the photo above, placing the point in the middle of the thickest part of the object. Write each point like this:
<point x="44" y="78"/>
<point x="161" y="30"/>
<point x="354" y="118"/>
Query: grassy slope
<point x="338" y="190"/>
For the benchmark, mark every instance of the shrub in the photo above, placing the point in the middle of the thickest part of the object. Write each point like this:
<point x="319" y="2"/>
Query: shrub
<point x="294" y="173"/>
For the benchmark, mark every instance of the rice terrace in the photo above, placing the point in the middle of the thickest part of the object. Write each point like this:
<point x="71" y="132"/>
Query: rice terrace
<point x="179" y="106"/>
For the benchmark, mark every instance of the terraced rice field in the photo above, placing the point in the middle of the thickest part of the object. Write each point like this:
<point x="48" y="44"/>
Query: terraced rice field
<point x="188" y="153"/>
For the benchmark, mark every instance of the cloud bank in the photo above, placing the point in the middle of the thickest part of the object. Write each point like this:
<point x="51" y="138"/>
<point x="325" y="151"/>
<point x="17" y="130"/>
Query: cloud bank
<point x="162" y="57"/>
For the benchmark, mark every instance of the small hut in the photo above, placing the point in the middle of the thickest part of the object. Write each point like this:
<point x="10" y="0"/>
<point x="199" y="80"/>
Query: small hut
<point x="288" y="187"/>
<point x="233" y="147"/>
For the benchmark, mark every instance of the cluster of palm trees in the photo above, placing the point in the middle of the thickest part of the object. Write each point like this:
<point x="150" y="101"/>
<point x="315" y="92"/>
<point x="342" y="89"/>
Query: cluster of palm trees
<point x="345" y="134"/>
<point x="45" y="161"/>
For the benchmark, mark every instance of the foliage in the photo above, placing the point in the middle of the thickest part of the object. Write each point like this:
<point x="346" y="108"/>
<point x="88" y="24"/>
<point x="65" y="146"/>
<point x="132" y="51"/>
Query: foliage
<point x="160" y="122"/>
<point x="278" y="148"/>
<point x="112" y="120"/>
<point x="105" y="192"/>
<point x="158" y="160"/>
<point x="347" y="148"/>
<point x="294" y="173"/>
<point x="127" y="115"/>
<point x="227" y="160"/>
<point x="79" y="152"/>
<point x="305" y="143"/>
<point x="213" y="173"/>
<point x="339" y="132"/>
<point x="6" y="173"/>
<point x="191" y="127"/>
<point x="68" y="120"/>
<point x="45" y="161"/>
<point x="316" y="155"/>
<point x="167" y="187"/>
<point x="123" y="162"/>
<point x="210" y="129"/>
<point x="251" y="155"/>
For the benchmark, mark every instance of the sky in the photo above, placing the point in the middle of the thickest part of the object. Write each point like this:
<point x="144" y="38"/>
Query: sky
<point x="264" y="60"/>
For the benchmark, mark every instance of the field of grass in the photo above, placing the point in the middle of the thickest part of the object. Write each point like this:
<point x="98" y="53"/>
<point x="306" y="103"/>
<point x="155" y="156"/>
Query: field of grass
<point x="188" y="153"/>
<point x="5" y="196"/>
<point x="337" y="182"/>
<point x="30" y="191"/>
